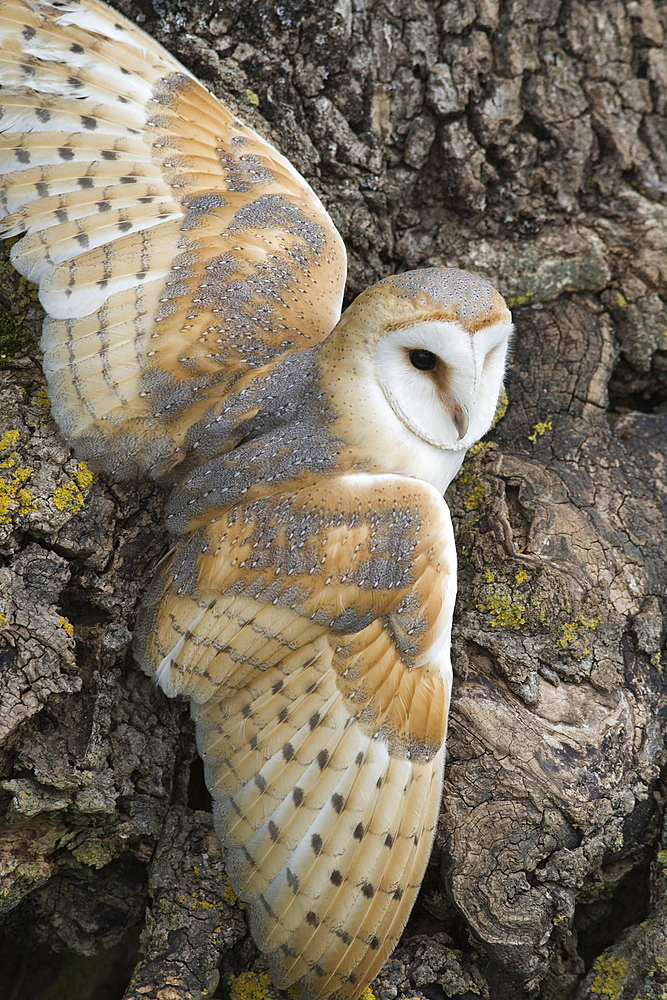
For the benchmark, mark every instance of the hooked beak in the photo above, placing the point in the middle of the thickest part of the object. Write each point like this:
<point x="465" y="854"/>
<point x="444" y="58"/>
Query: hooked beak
<point x="460" y="417"/>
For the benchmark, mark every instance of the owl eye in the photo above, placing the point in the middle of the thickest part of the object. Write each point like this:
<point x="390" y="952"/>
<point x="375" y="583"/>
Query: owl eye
<point x="423" y="360"/>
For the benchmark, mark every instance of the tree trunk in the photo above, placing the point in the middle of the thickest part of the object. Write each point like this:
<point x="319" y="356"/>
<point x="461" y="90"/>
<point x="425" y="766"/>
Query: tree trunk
<point x="525" y="140"/>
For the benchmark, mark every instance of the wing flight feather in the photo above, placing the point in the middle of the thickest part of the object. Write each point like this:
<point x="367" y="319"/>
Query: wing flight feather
<point x="149" y="215"/>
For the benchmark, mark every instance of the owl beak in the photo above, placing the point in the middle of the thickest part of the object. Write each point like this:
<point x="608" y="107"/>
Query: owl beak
<point x="460" y="417"/>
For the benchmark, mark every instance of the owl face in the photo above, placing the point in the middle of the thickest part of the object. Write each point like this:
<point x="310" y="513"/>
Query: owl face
<point x="414" y="370"/>
<point x="441" y="381"/>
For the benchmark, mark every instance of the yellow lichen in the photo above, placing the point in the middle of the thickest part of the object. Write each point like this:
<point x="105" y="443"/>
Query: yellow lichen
<point x="228" y="893"/>
<point x="249" y="986"/>
<point x="656" y="661"/>
<point x="489" y="576"/>
<point x="540" y="428"/>
<point x="8" y="439"/>
<point x="521" y="576"/>
<point x="481" y="446"/>
<point x="589" y="623"/>
<point x="621" y="300"/>
<point x="569" y="631"/>
<point x="66" y="625"/>
<point x="251" y="97"/>
<point x="199" y="901"/>
<point x="83" y="477"/>
<point x="10" y="461"/>
<point x="610" y="972"/>
<point x="41" y="399"/>
<point x="518" y="300"/>
<point x="475" y="498"/>
<point x="15" y="500"/>
<point x="367" y="994"/>
<point x="504" y="611"/>
<point x="70" y="496"/>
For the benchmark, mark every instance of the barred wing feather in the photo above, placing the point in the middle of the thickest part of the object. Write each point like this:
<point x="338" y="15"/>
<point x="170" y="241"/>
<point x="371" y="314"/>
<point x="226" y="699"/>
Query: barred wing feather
<point x="175" y="249"/>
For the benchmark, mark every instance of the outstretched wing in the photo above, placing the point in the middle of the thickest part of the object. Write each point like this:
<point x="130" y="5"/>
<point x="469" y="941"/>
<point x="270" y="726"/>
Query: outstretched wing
<point x="312" y="633"/>
<point x="174" y="248"/>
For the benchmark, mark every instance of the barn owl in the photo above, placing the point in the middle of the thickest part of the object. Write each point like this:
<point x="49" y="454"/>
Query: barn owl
<point x="192" y="284"/>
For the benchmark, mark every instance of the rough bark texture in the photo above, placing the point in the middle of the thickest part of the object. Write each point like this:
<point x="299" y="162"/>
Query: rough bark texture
<point x="525" y="140"/>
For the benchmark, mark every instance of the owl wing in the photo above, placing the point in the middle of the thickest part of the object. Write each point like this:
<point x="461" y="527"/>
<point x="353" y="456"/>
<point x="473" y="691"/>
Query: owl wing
<point x="174" y="248"/>
<point x="311" y="631"/>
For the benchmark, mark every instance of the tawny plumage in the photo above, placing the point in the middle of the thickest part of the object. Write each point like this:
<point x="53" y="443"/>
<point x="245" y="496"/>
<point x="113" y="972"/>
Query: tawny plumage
<point x="192" y="284"/>
<point x="315" y="649"/>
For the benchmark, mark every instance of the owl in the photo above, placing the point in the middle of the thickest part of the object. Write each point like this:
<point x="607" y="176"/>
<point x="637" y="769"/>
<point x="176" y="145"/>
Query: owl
<point x="192" y="283"/>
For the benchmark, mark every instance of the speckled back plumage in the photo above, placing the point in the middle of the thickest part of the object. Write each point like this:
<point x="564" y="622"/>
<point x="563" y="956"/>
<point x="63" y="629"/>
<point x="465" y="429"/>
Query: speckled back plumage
<point x="192" y="284"/>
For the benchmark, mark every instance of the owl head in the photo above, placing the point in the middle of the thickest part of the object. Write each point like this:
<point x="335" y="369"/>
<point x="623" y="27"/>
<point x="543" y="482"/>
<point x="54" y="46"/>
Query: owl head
<point x="430" y="347"/>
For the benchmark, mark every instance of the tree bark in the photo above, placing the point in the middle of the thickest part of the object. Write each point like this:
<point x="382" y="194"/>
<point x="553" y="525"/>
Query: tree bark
<point x="526" y="141"/>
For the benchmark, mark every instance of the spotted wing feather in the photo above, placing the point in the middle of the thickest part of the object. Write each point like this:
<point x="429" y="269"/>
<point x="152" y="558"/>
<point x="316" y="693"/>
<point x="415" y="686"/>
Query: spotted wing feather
<point x="175" y="249"/>
<point x="319" y="676"/>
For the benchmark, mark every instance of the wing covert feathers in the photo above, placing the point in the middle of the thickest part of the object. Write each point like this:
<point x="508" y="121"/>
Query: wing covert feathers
<point x="168" y="239"/>
<point x="320" y="700"/>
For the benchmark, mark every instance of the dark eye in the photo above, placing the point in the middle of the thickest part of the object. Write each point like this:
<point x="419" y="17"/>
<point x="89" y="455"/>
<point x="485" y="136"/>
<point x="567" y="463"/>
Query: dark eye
<point x="423" y="360"/>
